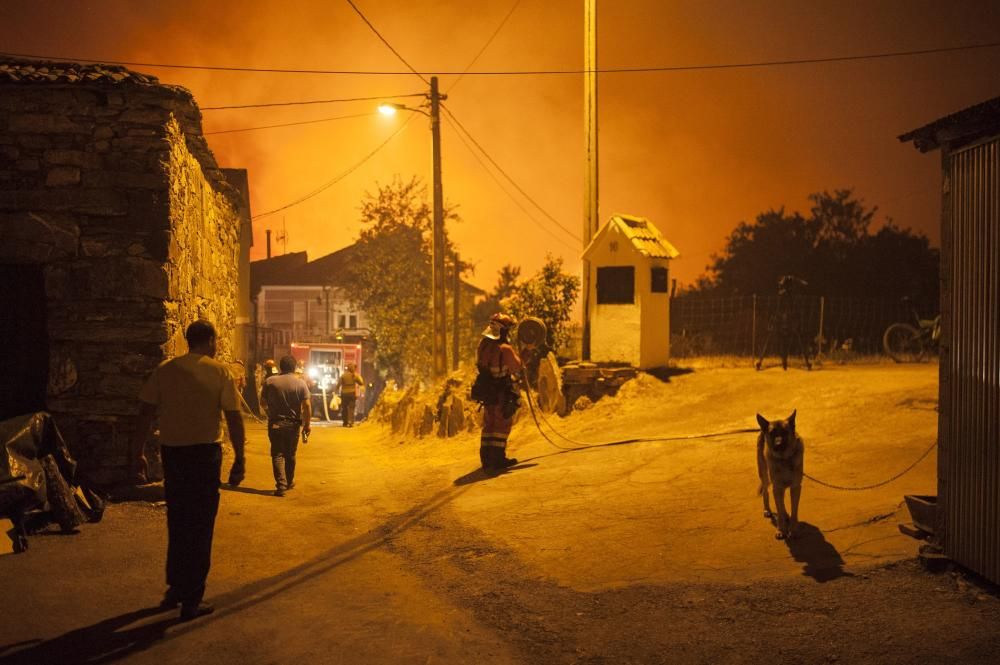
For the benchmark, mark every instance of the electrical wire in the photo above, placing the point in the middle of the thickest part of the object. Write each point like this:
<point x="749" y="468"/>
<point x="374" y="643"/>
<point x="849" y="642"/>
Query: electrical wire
<point x="499" y="168"/>
<point x="581" y="445"/>
<point x="519" y="72"/>
<point x="386" y="42"/>
<point x="339" y="177"/>
<point x="311" y="101"/>
<point x="291" y="124"/>
<point x="500" y="184"/>
<point x="485" y="46"/>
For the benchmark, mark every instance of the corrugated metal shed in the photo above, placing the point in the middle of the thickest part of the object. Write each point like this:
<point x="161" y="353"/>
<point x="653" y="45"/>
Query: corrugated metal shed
<point x="969" y="422"/>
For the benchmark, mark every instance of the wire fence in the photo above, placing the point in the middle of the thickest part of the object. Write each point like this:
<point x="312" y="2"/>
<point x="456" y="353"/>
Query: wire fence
<point x="743" y="325"/>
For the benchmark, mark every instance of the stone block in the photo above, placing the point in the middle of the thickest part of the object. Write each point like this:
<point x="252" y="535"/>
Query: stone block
<point x="9" y="152"/>
<point x="46" y="123"/>
<point x="155" y="117"/>
<point x="62" y="372"/>
<point x="101" y="202"/>
<point x="148" y="210"/>
<point x="78" y="158"/>
<point x="102" y="146"/>
<point x="87" y="201"/>
<point x="45" y="236"/>
<point x="34" y="141"/>
<point x="94" y="247"/>
<point x="62" y="176"/>
<point x="29" y="165"/>
<point x="124" y="179"/>
<point x="140" y="144"/>
<point x="103" y="132"/>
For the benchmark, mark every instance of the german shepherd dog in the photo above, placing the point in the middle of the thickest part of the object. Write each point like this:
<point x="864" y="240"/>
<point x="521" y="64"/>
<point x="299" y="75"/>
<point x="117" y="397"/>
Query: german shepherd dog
<point x="779" y="465"/>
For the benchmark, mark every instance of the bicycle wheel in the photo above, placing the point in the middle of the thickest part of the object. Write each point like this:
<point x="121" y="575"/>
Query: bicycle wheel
<point x="903" y="344"/>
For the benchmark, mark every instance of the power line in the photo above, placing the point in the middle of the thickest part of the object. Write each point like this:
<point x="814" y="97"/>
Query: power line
<point x="386" y="42"/>
<point x="499" y="168"/>
<point x="291" y="124"/>
<point x="322" y="188"/>
<point x="517" y="72"/>
<point x="506" y="191"/>
<point x="311" y="101"/>
<point x="486" y="45"/>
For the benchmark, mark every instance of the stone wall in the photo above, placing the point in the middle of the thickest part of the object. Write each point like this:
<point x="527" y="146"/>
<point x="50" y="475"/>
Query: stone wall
<point x="203" y="254"/>
<point x="112" y="190"/>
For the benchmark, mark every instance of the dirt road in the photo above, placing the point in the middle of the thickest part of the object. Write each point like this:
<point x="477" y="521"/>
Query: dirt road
<point x="393" y="550"/>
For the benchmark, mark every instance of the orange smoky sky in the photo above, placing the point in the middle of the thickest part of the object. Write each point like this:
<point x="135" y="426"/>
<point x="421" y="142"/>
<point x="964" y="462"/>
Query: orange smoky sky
<point x="694" y="151"/>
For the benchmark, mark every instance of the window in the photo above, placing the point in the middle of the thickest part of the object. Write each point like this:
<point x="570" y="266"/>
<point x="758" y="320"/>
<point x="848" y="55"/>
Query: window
<point x="616" y="285"/>
<point x="341" y="321"/>
<point x="353" y="321"/>
<point x="658" y="280"/>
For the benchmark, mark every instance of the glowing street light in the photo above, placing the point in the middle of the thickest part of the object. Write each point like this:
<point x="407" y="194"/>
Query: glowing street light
<point x="387" y="109"/>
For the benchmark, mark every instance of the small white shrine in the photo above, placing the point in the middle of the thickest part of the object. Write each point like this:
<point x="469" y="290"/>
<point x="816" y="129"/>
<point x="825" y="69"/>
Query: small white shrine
<point x="630" y="293"/>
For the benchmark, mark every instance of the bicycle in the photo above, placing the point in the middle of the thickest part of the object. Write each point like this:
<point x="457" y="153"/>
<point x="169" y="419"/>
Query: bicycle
<point x="904" y="342"/>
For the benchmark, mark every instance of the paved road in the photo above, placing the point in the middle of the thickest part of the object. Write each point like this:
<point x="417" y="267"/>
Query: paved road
<point x="392" y="550"/>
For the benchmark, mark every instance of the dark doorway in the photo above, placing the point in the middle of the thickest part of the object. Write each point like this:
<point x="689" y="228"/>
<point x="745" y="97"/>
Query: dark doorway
<point x="24" y="375"/>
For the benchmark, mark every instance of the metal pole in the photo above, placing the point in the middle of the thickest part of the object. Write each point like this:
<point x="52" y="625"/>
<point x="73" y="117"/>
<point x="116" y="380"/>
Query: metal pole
<point x="820" y="342"/>
<point x="438" y="314"/>
<point x="590" y="201"/>
<point x="753" y="329"/>
<point x="456" y="296"/>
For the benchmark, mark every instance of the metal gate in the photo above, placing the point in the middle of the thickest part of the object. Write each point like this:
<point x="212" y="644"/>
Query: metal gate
<point x="969" y="426"/>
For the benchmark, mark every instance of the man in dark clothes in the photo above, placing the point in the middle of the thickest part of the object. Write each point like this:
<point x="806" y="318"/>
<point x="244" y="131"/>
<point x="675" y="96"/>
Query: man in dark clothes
<point x="286" y="400"/>
<point x="349" y="382"/>
<point x="189" y="393"/>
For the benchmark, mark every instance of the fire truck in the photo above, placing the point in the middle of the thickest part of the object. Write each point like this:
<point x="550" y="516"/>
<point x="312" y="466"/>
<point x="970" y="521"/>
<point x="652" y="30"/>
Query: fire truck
<point x="323" y="363"/>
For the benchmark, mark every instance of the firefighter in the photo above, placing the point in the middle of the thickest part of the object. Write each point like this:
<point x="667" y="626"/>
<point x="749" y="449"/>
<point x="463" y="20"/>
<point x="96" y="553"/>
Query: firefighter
<point x="499" y="366"/>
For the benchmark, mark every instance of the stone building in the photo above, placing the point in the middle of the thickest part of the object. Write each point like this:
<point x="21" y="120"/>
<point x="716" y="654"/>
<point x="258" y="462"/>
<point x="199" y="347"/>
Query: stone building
<point x="118" y="229"/>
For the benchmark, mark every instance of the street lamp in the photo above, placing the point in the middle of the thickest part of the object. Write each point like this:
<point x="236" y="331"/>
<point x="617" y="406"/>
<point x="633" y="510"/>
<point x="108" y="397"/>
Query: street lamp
<point x="439" y="350"/>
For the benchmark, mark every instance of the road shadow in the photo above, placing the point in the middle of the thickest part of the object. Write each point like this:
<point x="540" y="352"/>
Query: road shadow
<point x="246" y="490"/>
<point x="665" y="373"/>
<point x="821" y="560"/>
<point x="479" y="475"/>
<point x="103" y="642"/>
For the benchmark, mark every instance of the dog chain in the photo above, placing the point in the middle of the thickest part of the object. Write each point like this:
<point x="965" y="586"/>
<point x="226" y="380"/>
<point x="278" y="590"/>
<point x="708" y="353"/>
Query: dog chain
<point x="884" y="482"/>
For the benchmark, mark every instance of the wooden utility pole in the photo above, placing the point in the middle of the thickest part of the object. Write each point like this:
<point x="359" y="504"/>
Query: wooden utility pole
<point x="590" y="191"/>
<point x="438" y="314"/>
<point x="456" y="296"/>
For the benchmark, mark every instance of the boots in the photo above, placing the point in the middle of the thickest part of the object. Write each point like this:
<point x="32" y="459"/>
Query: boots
<point x="494" y="458"/>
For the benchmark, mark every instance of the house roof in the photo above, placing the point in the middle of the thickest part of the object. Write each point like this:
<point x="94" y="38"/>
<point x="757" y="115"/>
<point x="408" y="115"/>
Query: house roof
<point x="296" y="270"/>
<point x="276" y="271"/>
<point x="960" y="127"/>
<point x="642" y="233"/>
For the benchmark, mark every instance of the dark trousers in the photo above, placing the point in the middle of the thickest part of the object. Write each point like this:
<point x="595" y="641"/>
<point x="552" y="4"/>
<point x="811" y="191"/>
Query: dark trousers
<point x="284" y="442"/>
<point x="347" y="408"/>
<point x="191" y="486"/>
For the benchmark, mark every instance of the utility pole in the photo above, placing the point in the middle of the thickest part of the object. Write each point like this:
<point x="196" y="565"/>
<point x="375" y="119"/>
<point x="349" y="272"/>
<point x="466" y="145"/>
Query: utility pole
<point x="590" y="191"/>
<point x="456" y="296"/>
<point x="438" y="314"/>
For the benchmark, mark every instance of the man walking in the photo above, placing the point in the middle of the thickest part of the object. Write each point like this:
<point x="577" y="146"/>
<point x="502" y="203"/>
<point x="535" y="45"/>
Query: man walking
<point x="286" y="400"/>
<point x="188" y="393"/>
<point x="349" y="382"/>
